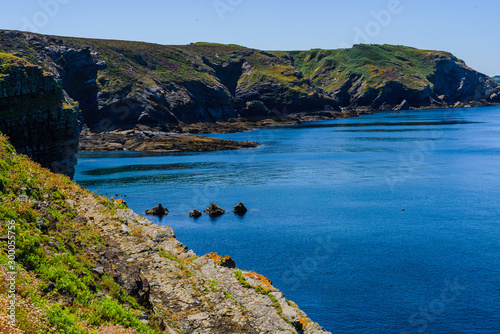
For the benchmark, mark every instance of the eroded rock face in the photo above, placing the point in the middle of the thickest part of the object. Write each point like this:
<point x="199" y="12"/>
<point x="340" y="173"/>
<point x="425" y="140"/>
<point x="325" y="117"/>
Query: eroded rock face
<point x="214" y="210"/>
<point x="37" y="117"/>
<point x="78" y="71"/>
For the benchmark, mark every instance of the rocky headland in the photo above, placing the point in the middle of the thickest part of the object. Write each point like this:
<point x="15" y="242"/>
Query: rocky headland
<point x="206" y="87"/>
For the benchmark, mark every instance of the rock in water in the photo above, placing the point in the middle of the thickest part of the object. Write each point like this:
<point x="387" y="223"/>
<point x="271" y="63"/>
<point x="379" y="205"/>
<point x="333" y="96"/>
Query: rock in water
<point x="403" y="106"/>
<point x="195" y="213"/>
<point x="157" y="211"/>
<point x="240" y="209"/>
<point x="214" y="210"/>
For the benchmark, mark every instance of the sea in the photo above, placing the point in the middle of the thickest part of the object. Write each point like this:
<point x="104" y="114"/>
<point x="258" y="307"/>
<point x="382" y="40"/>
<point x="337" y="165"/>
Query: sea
<point x="383" y="223"/>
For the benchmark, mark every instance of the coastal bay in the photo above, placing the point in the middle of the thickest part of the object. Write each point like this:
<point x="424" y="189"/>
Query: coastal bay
<point x="326" y="199"/>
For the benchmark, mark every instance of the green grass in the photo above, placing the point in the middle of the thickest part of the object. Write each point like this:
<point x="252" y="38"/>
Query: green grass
<point x="132" y="66"/>
<point x="180" y="264"/>
<point x="376" y="64"/>
<point x="64" y="292"/>
<point x="228" y="295"/>
<point x="239" y="276"/>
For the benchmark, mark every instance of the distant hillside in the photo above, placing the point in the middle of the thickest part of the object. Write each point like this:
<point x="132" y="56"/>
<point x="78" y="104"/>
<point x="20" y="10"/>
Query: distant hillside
<point x="123" y="84"/>
<point x="496" y="78"/>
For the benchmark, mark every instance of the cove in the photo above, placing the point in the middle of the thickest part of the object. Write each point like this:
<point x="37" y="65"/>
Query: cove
<point x="326" y="221"/>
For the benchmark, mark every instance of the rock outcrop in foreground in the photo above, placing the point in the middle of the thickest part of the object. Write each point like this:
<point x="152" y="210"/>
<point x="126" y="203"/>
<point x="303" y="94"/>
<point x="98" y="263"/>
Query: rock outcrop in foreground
<point x="36" y="116"/>
<point x="87" y="264"/>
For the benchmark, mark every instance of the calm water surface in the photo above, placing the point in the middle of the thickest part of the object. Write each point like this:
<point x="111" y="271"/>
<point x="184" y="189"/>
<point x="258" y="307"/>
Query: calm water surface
<point x="326" y="221"/>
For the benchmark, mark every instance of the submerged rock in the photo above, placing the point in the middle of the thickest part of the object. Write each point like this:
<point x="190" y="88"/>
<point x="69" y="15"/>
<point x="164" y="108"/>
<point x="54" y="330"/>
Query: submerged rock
<point x="240" y="209"/>
<point x="195" y="213"/>
<point x="157" y="211"/>
<point x="214" y="210"/>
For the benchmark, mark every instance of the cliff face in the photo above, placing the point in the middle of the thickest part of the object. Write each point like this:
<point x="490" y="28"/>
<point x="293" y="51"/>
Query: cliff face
<point x="36" y="116"/>
<point x="87" y="264"/>
<point x="385" y="77"/>
<point x="122" y="85"/>
<point x="496" y="78"/>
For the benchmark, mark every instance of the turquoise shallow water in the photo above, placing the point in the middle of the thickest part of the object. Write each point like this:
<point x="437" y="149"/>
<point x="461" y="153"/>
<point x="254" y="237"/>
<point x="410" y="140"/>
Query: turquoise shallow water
<point x="326" y="223"/>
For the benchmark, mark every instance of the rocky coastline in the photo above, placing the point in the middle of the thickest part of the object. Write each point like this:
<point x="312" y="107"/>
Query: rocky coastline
<point x="95" y="265"/>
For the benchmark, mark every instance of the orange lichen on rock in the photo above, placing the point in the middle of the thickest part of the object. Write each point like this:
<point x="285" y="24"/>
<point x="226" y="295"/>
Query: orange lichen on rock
<point x="303" y="320"/>
<point x="226" y="261"/>
<point x="214" y="256"/>
<point x="264" y="282"/>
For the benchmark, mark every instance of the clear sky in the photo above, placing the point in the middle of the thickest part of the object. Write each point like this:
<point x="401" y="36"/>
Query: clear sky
<point x="469" y="29"/>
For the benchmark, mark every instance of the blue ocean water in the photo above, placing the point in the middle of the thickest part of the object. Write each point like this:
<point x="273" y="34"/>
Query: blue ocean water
<point x="326" y="221"/>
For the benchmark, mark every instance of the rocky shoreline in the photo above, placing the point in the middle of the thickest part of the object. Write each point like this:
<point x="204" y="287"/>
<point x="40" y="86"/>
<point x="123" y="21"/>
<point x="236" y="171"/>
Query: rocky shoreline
<point x="186" y="293"/>
<point x="189" y="137"/>
<point x="155" y="141"/>
<point x="95" y="265"/>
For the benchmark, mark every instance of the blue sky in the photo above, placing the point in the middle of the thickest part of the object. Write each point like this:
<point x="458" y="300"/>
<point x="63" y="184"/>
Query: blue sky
<point x="469" y="29"/>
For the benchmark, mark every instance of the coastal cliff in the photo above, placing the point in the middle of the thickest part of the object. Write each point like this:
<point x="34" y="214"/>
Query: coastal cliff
<point x="88" y="264"/>
<point x="123" y="85"/>
<point x="37" y="117"/>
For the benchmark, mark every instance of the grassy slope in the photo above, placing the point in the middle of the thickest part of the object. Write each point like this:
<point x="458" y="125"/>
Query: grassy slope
<point x="376" y="64"/>
<point x="7" y="62"/>
<point x="180" y="64"/>
<point x="55" y="276"/>
<point x="133" y="66"/>
<point x="496" y="78"/>
<point x="169" y="63"/>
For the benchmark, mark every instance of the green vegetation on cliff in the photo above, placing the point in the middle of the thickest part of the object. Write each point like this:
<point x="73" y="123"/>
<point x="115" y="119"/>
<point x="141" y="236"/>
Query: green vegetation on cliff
<point x="33" y="102"/>
<point x="8" y="61"/>
<point x="496" y="78"/>
<point x="129" y="84"/>
<point x="58" y="290"/>
<point x="375" y="64"/>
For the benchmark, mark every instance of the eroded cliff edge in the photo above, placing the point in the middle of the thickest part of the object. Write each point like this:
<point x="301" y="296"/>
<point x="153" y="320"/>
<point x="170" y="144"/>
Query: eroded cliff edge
<point x="89" y="264"/>
<point x="40" y="121"/>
